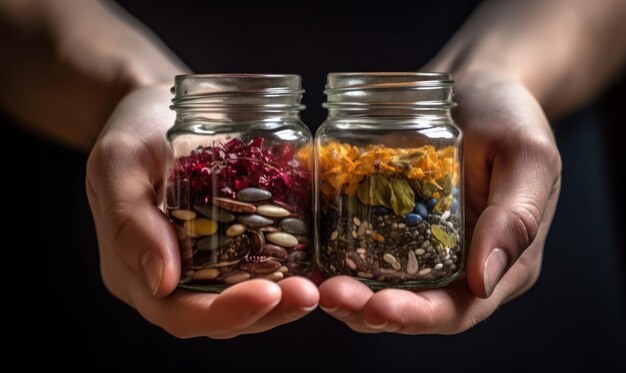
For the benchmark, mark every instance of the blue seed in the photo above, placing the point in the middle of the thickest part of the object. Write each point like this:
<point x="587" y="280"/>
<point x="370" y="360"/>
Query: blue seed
<point x="412" y="219"/>
<point x="380" y="210"/>
<point x="455" y="192"/>
<point x="431" y="204"/>
<point x="420" y="209"/>
<point x="455" y="206"/>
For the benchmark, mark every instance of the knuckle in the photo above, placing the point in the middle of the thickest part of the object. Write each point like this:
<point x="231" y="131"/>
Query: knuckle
<point x="524" y="221"/>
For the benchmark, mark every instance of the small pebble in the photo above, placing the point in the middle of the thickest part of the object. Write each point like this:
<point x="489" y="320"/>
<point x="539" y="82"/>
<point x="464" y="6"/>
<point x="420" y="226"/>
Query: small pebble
<point x="438" y="266"/>
<point x="282" y="239"/>
<point x="235" y="230"/>
<point x="401" y="225"/>
<point x="394" y="226"/>
<point x="272" y="211"/>
<point x="183" y="214"/>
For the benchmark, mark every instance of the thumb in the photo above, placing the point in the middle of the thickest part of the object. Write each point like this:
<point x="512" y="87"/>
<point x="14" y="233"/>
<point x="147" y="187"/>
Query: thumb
<point x="524" y="175"/>
<point x="124" y="197"/>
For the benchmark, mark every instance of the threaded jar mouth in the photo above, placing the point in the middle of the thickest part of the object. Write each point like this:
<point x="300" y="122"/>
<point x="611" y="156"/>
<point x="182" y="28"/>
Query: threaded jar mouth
<point x="405" y="90"/>
<point x="224" y="92"/>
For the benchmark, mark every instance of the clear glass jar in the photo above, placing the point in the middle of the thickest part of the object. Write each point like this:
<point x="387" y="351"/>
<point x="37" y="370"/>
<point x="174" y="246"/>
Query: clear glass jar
<point x="389" y="180"/>
<point x="238" y="186"/>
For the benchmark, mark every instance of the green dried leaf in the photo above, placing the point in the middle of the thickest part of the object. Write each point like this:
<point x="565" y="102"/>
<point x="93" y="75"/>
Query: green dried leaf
<point x="443" y="204"/>
<point x="364" y="193"/>
<point x="448" y="240"/>
<point x="402" y="198"/>
<point x="380" y="191"/>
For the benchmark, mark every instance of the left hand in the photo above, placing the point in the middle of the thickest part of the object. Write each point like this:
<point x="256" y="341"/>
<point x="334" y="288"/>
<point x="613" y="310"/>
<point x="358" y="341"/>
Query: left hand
<point x="512" y="183"/>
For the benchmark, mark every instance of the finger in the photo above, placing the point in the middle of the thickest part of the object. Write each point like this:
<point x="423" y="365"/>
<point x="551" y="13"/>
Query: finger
<point x="299" y="298"/>
<point x="190" y="314"/>
<point x="123" y="170"/>
<point x="439" y="311"/>
<point x="344" y="298"/>
<point x="522" y="181"/>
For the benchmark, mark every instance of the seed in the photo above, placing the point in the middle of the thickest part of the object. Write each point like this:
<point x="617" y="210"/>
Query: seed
<point x="389" y="258"/>
<point x="355" y="234"/>
<point x="206" y="274"/>
<point x="424" y="271"/>
<point x="412" y="265"/>
<point x="235" y="230"/>
<point x="397" y="266"/>
<point x="234" y="206"/>
<point x="276" y="276"/>
<point x="362" y="229"/>
<point x="351" y="263"/>
<point x="283" y="269"/>
<point x="394" y="226"/>
<point x="378" y="237"/>
<point x="201" y="227"/>
<point x="360" y="250"/>
<point x="334" y="235"/>
<point x="420" y="251"/>
<point x="183" y="214"/>
<point x="438" y="266"/>
<point x="369" y="231"/>
<point x="272" y="211"/>
<point x="364" y="274"/>
<point x="356" y="221"/>
<point x="236" y="277"/>
<point x="282" y="239"/>
<point x="401" y="225"/>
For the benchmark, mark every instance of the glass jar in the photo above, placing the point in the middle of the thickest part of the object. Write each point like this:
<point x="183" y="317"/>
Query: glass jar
<point x="390" y="180"/>
<point x="238" y="186"/>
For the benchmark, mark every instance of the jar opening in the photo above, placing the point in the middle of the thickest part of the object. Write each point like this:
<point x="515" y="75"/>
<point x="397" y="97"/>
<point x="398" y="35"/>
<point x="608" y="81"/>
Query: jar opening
<point x="390" y="90"/>
<point x="224" y="92"/>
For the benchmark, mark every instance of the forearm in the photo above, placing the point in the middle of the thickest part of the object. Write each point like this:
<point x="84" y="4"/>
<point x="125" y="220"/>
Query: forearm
<point x="563" y="51"/>
<point x="67" y="63"/>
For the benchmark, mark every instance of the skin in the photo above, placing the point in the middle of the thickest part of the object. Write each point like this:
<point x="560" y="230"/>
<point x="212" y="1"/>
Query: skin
<point x="512" y="63"/>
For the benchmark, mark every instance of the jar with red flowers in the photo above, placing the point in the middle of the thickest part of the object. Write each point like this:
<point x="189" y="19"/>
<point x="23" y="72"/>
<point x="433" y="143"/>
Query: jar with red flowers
<point x="238" y="180"/>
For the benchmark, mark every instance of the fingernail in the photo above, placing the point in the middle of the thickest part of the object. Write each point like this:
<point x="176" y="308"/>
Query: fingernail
<point x="152" y="270"/>
<point x="301" y="311"/>
<point x="376" y="326"/>
<point x="494" y="269"/>
<point x="337" y="311"/>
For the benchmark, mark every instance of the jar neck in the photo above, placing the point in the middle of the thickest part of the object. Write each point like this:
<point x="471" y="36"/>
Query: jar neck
<point x="390" y="95"/>
<point x="236" y="97"/>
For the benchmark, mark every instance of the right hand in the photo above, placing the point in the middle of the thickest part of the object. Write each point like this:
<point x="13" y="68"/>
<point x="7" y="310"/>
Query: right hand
<point x="139" y="255"/>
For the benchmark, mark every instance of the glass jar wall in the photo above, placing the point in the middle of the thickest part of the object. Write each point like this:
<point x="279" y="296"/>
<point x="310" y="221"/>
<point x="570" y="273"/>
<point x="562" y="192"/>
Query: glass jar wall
<point x="389" y="180"/>
<point x="238" y="186"/>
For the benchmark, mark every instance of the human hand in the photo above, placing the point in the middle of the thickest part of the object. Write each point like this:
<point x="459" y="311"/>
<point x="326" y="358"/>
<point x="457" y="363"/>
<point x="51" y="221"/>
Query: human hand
<point x="512" y="180"/>
<point x="139" y="254"/>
